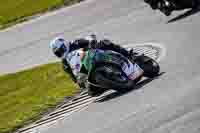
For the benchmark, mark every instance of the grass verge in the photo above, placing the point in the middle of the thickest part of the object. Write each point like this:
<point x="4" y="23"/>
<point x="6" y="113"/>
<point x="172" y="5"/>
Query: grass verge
<point x="26" y="95"/>
<point x="15" y="11"/>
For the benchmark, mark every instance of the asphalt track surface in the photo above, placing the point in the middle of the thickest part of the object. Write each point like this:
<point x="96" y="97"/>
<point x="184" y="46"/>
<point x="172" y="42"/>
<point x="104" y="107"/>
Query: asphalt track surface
<point x="168" y="104"/>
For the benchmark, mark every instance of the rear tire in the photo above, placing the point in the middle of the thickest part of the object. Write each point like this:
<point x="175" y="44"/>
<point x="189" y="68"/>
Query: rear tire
<point x="150" y="67"/>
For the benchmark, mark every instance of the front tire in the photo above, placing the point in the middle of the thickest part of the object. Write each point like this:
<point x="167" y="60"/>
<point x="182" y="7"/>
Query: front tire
<point x="94" y="91"/>
<point x="101" y="77"/>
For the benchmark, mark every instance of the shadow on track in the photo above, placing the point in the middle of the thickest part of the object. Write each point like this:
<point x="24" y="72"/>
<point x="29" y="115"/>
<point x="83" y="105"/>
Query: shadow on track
<point x="184" y="15"/>
<point x="118" y="94"/>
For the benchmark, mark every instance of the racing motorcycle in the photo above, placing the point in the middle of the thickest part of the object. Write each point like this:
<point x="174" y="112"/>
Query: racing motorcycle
<point x="167" y="6"/>
<point x="104" y="70"/>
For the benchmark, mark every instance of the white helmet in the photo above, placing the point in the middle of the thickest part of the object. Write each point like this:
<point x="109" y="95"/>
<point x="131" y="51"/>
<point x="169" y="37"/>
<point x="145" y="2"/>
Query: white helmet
<point x="59" y="46"/>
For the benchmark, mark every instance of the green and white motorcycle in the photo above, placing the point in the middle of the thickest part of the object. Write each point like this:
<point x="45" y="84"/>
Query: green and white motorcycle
<point x="101" y="70"/>
<point x="104" y="70"/>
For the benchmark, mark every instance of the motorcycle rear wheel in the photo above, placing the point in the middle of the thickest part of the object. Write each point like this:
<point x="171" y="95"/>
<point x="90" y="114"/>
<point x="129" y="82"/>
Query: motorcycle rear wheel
<point x="150" y="67"/>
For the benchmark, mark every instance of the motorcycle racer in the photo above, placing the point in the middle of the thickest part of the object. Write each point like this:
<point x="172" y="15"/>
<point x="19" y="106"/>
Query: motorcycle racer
<point x="72" y="53"/>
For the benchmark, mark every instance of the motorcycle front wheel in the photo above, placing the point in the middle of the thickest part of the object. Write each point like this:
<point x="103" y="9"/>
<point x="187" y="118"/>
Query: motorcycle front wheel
<point x="111" y="77"/>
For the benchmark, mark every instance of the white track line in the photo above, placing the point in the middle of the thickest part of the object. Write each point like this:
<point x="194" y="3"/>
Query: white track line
<point x="55" y="119"/>
<point x="162" y="51"/>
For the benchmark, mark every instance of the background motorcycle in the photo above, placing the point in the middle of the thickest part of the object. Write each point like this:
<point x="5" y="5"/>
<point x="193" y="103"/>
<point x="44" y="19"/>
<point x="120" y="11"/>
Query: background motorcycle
<point x="104" y="70"/>
<point x="167" y="6"/>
